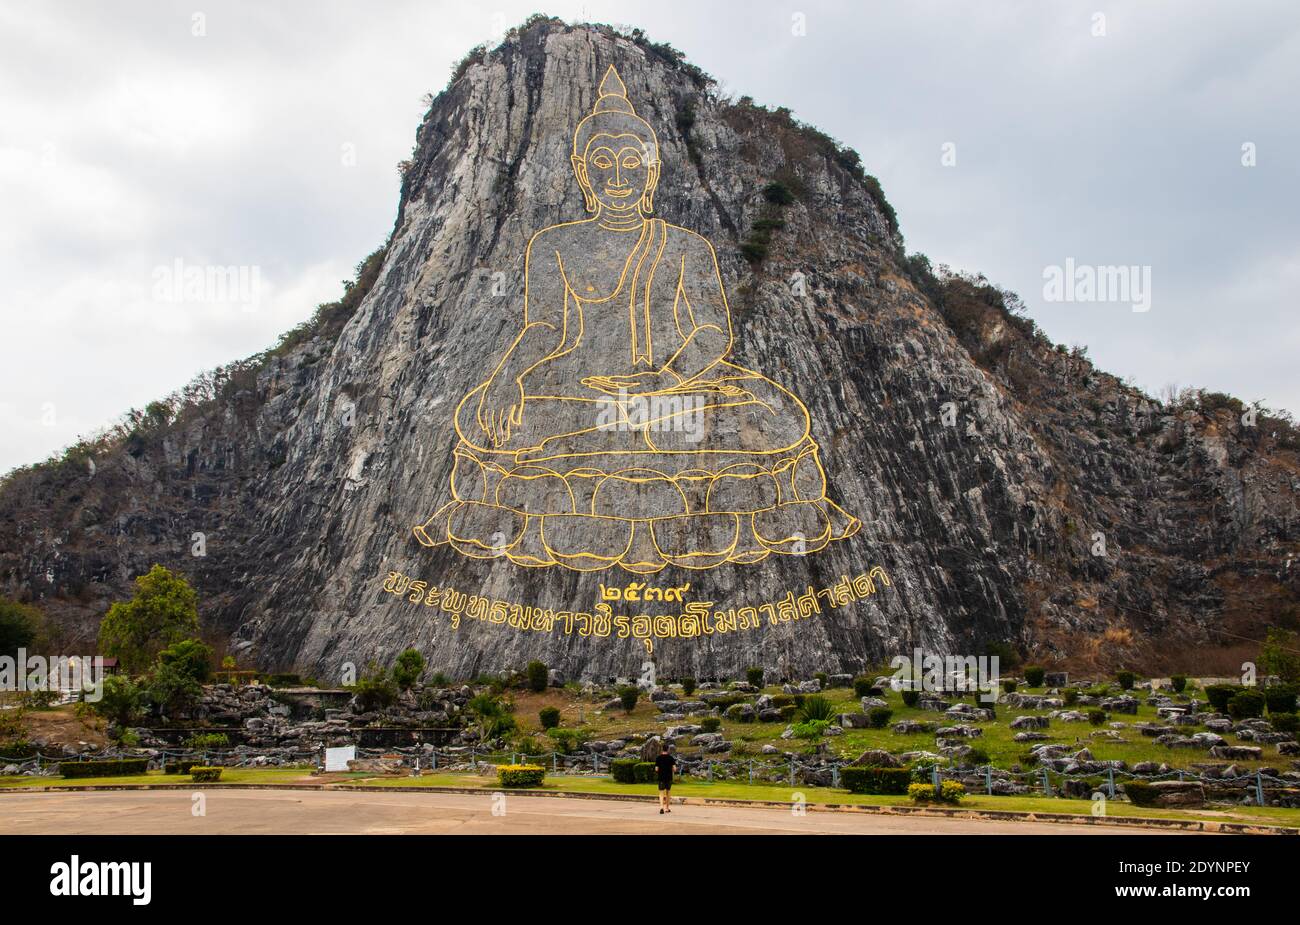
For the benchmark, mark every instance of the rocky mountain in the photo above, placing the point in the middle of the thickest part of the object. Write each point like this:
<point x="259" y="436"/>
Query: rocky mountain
<point x="1009" y="492"/>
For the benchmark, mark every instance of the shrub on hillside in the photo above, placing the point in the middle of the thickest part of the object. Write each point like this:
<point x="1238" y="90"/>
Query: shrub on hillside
<point x="1219" y="695"/>
<point x="863" y="686"/>
<point x="567" y="740"/>
<point x="921" y="793"/>
<point x="754" y="249"/>
<point x="632" y="771"/>
<point x="1005" y="653"/>
<point x="738" y="714"/>
<point x="1285" y="722"/>
<point x="950" y="791"/>
<point x="811" y="730"/>
<point x="550" y="717"/>
<point x="628" y="696"/>
<point x="374" y="691"/>
<point x="778" y="193"/>
<point x="493" y="717"/>
<point x="521" y="775"/>
<point x="1279" y="654"/>
<point x="710" y="723"/>
<point x="754" y="676"/>
<point x="204" y="740"/>
<point x="688" y="686"/>
<point x="1070" y="696"/>
<point x="538" y="677"/>
<point x="114" y="768"/>
<point x="1280" y="699"/>
<point x="121" y="700"/>
<point x="823" y="679"/>
<point x="879" y="717"/>
<point x="1126" y="679"/>
<point x="1246" y="704"/>
<point x="1034" y="676"/>
<point x="21" y="626"/>
<point x="1009" y="686"/>
<point x="1179" y="683"/>
<point x="170" y="689"/>
<point x="204" y="775"/>
<point x="407" y="668"/>
<point x="911" y="698"/>
<point x="891" y="781"/>
<point x="192" y="657"/>
<point x="1096" y="717"/>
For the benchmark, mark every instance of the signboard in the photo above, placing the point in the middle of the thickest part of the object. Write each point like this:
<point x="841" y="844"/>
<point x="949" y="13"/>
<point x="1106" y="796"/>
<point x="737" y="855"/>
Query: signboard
<point x="336" y="759"/>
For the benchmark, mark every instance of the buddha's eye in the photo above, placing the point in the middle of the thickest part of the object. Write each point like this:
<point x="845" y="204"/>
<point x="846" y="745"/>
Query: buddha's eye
<point x="602" y="162"/>
<point x="631" y="162"/>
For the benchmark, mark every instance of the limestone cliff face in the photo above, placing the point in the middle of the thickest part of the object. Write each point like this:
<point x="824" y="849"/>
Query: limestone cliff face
<point x="980" y="462"/>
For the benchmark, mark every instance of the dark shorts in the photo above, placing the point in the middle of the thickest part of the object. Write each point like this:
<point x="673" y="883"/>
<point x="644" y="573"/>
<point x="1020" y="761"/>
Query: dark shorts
<point x="665" y="784"/>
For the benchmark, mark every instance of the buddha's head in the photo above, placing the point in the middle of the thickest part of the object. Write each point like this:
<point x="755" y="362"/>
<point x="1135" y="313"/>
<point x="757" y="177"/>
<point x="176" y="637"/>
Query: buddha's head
<point x="616" y="154"/>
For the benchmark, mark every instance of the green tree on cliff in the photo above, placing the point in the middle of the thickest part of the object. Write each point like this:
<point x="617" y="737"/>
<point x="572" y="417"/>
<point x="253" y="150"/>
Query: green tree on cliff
<point x="20" y="626"/>
<point x="163" y="611"/>
<point x="1280" y="655"/>
<point x="408" y="668"/>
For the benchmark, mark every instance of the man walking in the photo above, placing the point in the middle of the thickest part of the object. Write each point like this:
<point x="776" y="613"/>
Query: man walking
<point x="664" y="766"/>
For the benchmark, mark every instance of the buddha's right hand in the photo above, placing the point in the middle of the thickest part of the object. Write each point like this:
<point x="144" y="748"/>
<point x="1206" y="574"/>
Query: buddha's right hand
<point x="501" y="409"/>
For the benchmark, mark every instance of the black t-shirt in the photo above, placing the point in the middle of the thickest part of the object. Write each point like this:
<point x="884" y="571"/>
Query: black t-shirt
<point x="664" y="766"/>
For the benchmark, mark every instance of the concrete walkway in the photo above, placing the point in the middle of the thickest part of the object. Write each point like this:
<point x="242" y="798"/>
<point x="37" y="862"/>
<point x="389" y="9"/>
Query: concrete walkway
<point x="294" y="812"/>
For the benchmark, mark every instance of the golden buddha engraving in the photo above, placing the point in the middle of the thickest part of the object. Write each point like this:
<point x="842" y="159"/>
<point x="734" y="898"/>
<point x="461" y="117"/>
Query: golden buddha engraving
<point x="613" y="430"/>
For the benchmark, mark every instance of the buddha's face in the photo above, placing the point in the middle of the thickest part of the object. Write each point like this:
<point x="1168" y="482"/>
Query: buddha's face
<point x="618" y="171"/>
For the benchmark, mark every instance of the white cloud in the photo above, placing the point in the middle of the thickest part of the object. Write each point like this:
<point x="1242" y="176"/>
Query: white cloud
<point x="127" y="143"/>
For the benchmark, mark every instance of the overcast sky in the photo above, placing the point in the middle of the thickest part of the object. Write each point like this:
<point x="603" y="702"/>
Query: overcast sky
<point x="1010" y="136"/>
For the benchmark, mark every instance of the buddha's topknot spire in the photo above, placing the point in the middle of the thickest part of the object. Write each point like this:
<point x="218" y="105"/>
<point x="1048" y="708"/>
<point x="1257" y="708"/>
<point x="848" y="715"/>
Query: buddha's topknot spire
<point x="613" y="95"/>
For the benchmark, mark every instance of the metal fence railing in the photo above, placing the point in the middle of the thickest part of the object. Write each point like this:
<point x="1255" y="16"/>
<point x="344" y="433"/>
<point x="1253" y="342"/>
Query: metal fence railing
<point x="787" y="770"/>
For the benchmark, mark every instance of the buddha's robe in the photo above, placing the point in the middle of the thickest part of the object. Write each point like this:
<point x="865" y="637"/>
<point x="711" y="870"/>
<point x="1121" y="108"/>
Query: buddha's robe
<point x="718" y="467"/>
<point x="664" y="306"/>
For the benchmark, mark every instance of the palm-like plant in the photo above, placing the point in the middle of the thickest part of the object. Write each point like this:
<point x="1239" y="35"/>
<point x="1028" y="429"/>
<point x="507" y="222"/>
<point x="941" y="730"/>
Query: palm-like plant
<point x="816" y="707"/>
<point x="491" y="716"/>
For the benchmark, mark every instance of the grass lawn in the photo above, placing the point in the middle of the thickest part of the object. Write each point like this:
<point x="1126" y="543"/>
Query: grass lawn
<point x="722" y="790"/>
<point x="228" y="776"/>
<point x="731" y="790"/>
<point x="997" y="739"/>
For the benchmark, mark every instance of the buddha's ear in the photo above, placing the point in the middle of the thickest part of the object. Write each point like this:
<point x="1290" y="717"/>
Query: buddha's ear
<point x="580" y="171"/>
<point x="651" y="181"/>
